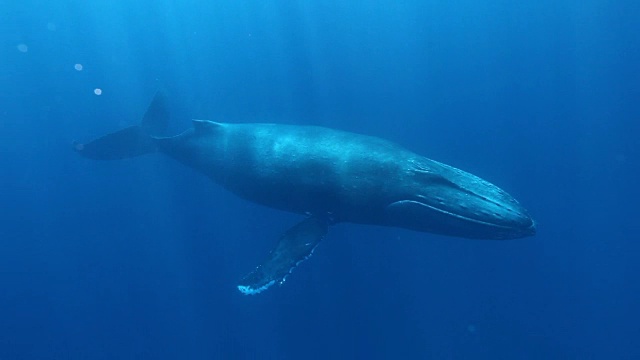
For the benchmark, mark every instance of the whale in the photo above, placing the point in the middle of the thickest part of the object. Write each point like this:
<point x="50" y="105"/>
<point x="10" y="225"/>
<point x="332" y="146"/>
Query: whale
<point x="326" y="175"/>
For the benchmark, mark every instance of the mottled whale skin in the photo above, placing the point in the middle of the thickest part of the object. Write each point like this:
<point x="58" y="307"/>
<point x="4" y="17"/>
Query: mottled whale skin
<point x="348" y="178"/>
<point x="331" y="176"/>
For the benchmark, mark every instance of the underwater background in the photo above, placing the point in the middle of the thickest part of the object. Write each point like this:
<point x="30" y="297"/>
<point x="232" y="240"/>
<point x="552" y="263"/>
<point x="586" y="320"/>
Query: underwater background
<point x="139" y="259"/>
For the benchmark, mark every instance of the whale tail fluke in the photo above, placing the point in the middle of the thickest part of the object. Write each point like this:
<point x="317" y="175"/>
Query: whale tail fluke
<point x="131" y="141"/>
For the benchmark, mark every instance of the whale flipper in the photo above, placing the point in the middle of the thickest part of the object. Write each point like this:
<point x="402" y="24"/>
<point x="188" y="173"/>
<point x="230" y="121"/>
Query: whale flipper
<point x="295" y="246"/>
<point x="132" y="141"/>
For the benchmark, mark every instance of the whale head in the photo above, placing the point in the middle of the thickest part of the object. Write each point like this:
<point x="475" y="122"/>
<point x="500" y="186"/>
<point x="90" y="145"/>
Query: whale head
<point x="452" y="202"/>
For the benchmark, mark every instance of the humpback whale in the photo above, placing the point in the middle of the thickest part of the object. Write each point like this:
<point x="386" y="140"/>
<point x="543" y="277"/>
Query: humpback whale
<point x="327" y="175"/>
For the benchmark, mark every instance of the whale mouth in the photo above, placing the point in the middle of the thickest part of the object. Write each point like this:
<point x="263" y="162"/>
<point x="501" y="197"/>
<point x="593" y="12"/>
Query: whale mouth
<point x="482" y="224"/>
<point x="504" y="219"/>
<point x="472" y="220"/>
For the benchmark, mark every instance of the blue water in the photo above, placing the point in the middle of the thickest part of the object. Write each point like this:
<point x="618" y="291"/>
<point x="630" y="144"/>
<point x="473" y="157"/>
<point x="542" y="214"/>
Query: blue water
<point x="138" y="259"/>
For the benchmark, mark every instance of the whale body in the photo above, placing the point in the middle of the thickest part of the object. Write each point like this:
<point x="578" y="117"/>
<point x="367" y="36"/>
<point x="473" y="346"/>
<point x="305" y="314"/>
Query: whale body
<point x="330" y="176"/>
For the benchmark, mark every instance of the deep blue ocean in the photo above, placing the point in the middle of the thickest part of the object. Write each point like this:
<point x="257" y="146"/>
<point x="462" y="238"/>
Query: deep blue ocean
<point x="140" y="258"/>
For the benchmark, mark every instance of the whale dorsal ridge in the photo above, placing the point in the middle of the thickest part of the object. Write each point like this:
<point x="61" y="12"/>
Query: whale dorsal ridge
<point x="206" y="126"/>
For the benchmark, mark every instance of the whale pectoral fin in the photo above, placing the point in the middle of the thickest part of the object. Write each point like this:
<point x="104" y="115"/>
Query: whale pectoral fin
<point x="295" y="246"/>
